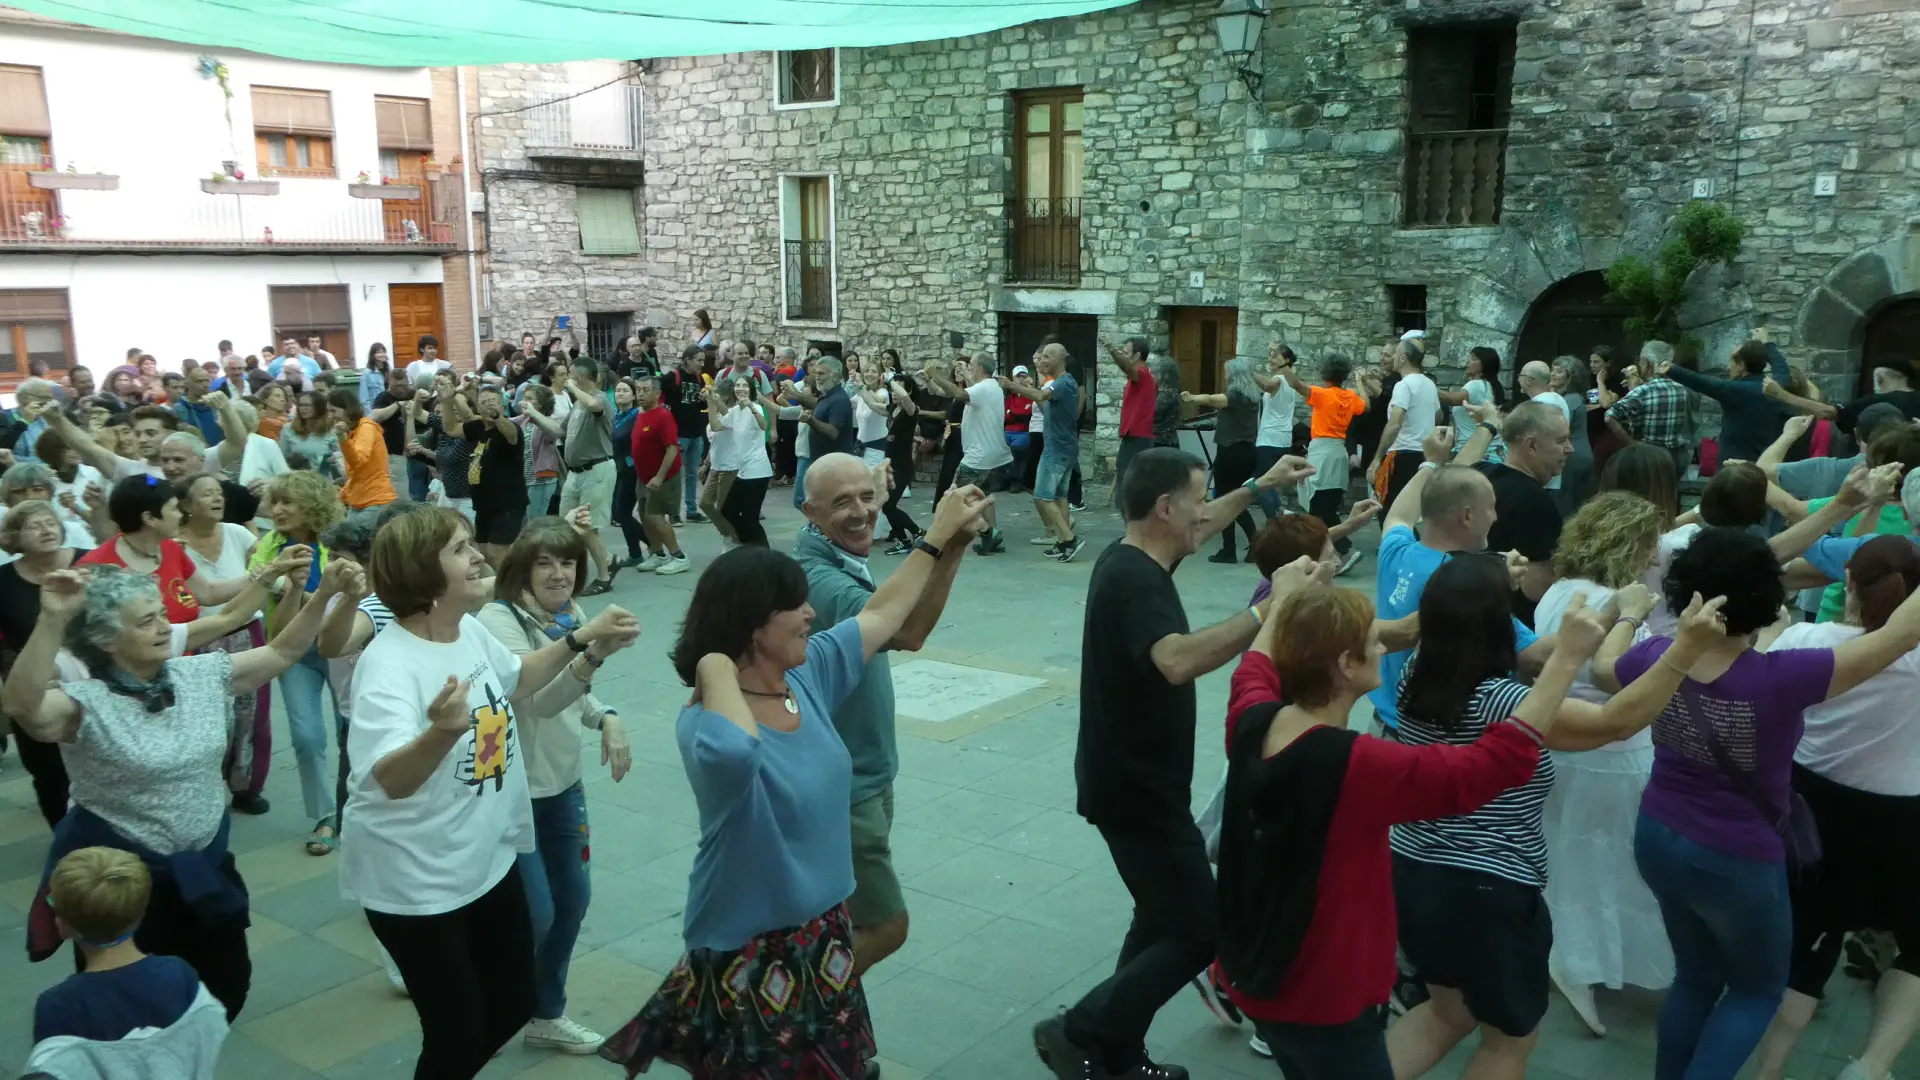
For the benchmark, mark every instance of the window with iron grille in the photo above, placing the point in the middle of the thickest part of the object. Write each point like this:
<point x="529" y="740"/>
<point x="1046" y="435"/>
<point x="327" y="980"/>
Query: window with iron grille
<point x="808" y="76"/>
<point x="606" y="330"/>
<point x="1043" y="216"/>
<point x="806" y="248"/>
<point x="1459" y="92"/>
<point x="1409" y="304"/>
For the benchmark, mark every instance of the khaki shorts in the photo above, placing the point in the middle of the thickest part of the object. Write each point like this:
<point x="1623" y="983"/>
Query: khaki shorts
<point x="876" y="888"/>
<point x="661" y="501"/>
<point x="593" y="488"/>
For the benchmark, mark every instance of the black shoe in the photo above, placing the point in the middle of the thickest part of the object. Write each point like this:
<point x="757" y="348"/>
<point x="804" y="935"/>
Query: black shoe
<point x="900" y="547"/>
<point x="1067" y="549"/>
<point x="1058" y="1052"/>
<point x="697" y="518"/>
<point x="1223" y="556"/>
<point x="1148" y="1070"/>
<point x="597" y="588"/>
<point x="247" y="802"/>
<point x="990" y="544"/>
<point x="1249" y="557"/>
<point x="873" y="1071"/>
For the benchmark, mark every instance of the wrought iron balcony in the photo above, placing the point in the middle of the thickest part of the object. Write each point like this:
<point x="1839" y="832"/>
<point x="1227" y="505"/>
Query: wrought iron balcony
<point x="809" y="277"/>
<point x="604" y="121"/>
<point x="1043" y="241"/>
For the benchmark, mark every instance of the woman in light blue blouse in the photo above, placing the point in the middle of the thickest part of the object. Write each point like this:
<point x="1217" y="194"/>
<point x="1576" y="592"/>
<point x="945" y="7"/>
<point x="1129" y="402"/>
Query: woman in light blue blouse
<point x="766" y="904"/>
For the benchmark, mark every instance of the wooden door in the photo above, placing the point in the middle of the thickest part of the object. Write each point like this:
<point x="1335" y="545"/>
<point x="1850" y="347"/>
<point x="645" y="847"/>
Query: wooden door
<point x="1893" y="333"/>
<point x="20" y="201"/>
<point x="416" y="312"/>
<point x="1569" y="319"/>
<point x="406" y="167"/>
<point x="1204" y="339"/>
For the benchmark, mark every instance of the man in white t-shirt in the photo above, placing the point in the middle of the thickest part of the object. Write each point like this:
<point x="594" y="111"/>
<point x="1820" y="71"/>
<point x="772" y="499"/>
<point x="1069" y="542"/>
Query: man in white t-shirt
<point x="1536" y="381"/>
<point x="420" y="373"/>
<point x="985" y="454"/>
<point x="1278" y="404"/>
<point x="1412" y="412"/>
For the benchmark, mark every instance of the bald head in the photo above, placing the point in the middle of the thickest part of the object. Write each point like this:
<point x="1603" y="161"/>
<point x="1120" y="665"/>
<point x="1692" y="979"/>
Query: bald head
<point x="1535" y="377"/>
<point x="1451" y="489"/>
<point x="1053" y="358"/>
<point x="841" y="502"/>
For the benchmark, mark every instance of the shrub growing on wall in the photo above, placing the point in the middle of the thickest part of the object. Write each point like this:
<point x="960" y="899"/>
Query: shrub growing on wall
<point x="1703" y="232"/>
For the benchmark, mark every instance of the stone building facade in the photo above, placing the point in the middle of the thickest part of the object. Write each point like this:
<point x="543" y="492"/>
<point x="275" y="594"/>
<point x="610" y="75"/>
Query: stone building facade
<point x="1464" y="165"/>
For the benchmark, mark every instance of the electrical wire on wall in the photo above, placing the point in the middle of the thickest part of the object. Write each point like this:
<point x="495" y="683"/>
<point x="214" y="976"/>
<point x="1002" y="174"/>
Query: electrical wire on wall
<point x="1740" y="108"/>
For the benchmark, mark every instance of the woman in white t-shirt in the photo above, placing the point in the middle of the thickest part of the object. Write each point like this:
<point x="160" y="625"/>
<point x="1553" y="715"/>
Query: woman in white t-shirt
<point x="220" y="549"/>
<point x="437" y="800"/>
<point x="871" y="403"/>
<point x="1606" y="922"/>
<point x="1858" y="768"/>
<point x="723" y="460"/>
<point x="746" y="428"/>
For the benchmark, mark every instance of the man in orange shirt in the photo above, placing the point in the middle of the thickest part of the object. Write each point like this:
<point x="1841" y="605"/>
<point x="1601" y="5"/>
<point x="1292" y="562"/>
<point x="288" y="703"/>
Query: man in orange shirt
<point x="1334" y="407"/>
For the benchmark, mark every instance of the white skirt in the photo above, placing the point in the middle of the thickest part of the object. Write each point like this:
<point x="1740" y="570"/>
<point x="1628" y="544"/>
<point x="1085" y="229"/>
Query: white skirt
<point x="1606" y="923"/>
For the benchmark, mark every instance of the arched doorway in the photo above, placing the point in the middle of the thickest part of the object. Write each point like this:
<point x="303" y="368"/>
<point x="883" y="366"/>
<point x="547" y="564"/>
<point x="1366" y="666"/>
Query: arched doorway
<point x="1892" y="333"/>
<point x="1569" y="319"/>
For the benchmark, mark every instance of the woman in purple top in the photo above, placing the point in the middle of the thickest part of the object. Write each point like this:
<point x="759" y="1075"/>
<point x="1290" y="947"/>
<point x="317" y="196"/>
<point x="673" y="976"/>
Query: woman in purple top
<point x="1712" y="857"/>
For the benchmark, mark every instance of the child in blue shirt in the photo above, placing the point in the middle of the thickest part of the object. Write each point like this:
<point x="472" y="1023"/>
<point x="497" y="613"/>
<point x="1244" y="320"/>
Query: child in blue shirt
<point x="99" y="895"/>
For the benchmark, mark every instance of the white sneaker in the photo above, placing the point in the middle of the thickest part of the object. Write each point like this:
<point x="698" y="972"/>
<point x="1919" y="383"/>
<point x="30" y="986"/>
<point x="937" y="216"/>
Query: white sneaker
<point x="393" y="973"/>
<point x="651" y="563"/>
<point x="1259" y="1045"/>
<point x="675" y="564"/>
<point x="563" y="1035"/>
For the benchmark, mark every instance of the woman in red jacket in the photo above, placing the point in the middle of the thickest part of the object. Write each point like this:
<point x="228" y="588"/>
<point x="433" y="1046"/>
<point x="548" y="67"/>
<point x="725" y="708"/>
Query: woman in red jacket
<point x="1305" y="872"/>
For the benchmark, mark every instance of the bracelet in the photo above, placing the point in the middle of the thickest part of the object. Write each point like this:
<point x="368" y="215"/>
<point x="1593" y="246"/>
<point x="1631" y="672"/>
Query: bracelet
<point x="1532" y="732"/>
<point x="1428" y="465"/>
<point x="1674" y="666"/>
<point x="1258" y="619"/>
<point x="1627" y="619"/>
<point x="1252" y="484"/>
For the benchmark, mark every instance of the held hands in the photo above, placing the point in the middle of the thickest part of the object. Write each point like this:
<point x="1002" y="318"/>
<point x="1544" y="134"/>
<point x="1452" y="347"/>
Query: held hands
<point x="448" y="712"/>
<point x="341" y="577"/>
<point x="1437" y="447"/>
<point x="1634" y="601"/>
<point x="1701" y="625"/>
<point x="293" y="560"/>
<point x="1286" y="473"/>
<point x="1516" y="568"/>
<point x="958" y="515"/>
<point x="1303" y="572"/>
<point x="1581" y="630"/>
<point x="1772" y="388"/>
<point x="1871" y="486"/>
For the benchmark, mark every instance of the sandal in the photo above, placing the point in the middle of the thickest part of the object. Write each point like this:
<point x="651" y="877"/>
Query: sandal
<point x="323" y="845"/>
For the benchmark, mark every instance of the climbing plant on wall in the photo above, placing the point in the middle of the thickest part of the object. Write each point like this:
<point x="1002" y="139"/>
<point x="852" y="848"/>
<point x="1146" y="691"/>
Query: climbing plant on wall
<point x="1703" y="232"/>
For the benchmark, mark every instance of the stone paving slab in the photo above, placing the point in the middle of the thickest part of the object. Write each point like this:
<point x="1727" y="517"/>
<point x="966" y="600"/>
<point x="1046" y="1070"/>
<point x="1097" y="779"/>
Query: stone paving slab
<point x="1016" y="910"/>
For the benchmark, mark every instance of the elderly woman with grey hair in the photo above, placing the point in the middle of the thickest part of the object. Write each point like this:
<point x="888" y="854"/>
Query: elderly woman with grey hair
<point x="30" y="481"/>
<point x="1571" y="378"/>
<point x="144" y="739"/>
<point x="1166" y="402"/>
<point x="1236" y="423"/>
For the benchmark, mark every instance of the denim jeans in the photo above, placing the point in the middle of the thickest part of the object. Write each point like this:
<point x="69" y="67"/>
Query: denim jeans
<point x="417" y="479"/>
<point x="1731" y="927"/>
<point x="539" y="497"/>
<point x="558" y="891"/>
<point x="1264" y="458"/>
<point x="692" y="449"/>
<point x="300" y="688"/>
<point x="1355" y="1050"/>
<point x="800" y="480"/>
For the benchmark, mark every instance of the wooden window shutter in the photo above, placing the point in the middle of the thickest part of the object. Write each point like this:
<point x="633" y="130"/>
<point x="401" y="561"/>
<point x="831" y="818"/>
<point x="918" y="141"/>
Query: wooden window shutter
<point x="33" y="305"/>
<point x="281" y="111"/>
<point x="404" y="123"/>
<point x="23" y="102"/>
<point x="308" y="307"/>
<point x="608" y="225"/>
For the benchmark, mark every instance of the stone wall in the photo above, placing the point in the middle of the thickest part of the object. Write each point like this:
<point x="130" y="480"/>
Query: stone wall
<point x="1291" y="204"/>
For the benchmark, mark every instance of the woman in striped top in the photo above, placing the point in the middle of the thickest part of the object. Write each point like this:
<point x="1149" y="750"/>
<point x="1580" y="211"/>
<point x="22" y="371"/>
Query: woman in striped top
<point x="1473" y="921"/>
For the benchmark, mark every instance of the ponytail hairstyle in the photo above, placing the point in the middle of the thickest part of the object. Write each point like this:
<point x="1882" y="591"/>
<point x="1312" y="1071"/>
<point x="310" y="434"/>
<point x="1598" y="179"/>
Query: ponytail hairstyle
<point x="1881" y="575"/>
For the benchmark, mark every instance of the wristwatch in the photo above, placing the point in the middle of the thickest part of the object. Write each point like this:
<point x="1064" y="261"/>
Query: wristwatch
<point x="574" y="643"/>
<point x="921" y="544"/>
<point x="1252" y="484"/>
<point x="1491" y="430"/>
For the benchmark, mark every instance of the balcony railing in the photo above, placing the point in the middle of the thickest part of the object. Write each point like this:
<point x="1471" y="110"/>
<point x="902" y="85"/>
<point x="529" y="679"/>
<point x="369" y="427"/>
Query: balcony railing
<point x="809" y="275"/>
<point x="1454" y="178"/>
<point x="307" y="214"/>
<point x="1043" y="241"/>
<point x="606" y="118"/>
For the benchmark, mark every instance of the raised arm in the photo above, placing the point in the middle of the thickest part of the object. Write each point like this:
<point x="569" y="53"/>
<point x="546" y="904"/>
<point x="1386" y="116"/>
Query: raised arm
<point x="1128" y="364"/>
<point x="896" y="601"/>
<point x="1861" y="488"/>
<point x="1211" y="401"/>
<point x="257" y="667"/>
<point x="1221" y="511"/>
<point x="1773" y="456"/>
<point x="82" y="443"/>
<point x="1716" y="389"/>
<point x="31" y="697"/>
<point x="605" y="634"/>
<point x="1818" y="410"/>
<point x="1861" y="658"/>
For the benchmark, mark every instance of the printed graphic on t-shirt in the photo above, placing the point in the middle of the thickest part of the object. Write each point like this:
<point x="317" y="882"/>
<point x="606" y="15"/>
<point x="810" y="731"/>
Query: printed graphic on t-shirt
<point x="491" y="751"/>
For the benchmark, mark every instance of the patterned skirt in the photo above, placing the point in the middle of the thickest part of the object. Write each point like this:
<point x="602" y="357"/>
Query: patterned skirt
<point x="786" y="1006"/>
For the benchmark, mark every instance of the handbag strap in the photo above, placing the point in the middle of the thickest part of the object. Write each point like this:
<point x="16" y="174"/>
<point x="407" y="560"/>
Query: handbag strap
<point x="1743" y="781"/>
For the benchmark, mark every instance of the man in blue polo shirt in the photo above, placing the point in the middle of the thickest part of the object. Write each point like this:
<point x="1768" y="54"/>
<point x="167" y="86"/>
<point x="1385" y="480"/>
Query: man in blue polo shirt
<point x="1454" y="507"/>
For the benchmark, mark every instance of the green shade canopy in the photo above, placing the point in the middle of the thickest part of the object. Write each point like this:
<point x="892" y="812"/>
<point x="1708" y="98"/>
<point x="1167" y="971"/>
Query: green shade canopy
<point x="445" y="33"/>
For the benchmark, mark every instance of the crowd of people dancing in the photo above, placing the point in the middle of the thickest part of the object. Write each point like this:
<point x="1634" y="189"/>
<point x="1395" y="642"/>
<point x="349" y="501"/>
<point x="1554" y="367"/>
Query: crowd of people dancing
<point x="1600" y="746"/>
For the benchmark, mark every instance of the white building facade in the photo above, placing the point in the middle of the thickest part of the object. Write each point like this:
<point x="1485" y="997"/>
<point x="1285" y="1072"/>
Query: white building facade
<point x="158" y="196"/>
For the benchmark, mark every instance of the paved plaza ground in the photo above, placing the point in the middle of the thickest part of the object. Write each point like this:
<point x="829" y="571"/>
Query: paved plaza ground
<point x="1016" y="909"/>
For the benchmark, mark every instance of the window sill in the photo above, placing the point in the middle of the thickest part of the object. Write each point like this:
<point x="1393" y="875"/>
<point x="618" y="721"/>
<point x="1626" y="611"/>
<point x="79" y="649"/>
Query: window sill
<point x="812" y="324"/>
<point x="1426" y="230"/>
<point x="782" y="106"/>
<point x="613" y="254"/>
<point x="274" y="172"/>
<point x="240" y="187"/>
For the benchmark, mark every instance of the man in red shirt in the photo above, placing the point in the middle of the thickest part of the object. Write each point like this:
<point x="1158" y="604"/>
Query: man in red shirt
<point x="656" y="461"/>
<point x="1136" y="403"/>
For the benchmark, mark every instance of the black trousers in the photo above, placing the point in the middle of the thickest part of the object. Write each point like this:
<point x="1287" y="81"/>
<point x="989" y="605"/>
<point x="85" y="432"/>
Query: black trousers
<point x="1402" y="466"/>
<point x="949" y="464"/>
<point x="217" y="951"/>
<point x="1325" y="505"/>
<point x="785" y="431"/>
<point x="1036" y="446"/>
<point x="49" y="772"/>
<point x="741" y="509"/>
<point x="625" y="487"/>
<point x="1233" y="465"/>
<point x="470" y="975"/>
<point x="1171" y="940"/>
<point x="902" y="524"/>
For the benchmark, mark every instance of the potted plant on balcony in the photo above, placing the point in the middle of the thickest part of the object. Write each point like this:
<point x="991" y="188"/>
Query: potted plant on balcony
<point x="72" y="180"/>
<point x="232" y="180"/>
<point x="387" y="187"/>
<point x="44" y="224"/>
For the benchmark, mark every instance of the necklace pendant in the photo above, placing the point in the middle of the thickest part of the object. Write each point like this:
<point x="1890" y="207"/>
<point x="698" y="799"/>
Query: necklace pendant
<point x="792" y="705"/>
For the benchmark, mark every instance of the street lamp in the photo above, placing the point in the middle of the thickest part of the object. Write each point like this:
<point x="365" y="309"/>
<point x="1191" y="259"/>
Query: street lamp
<point x="1237" y="23"/>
